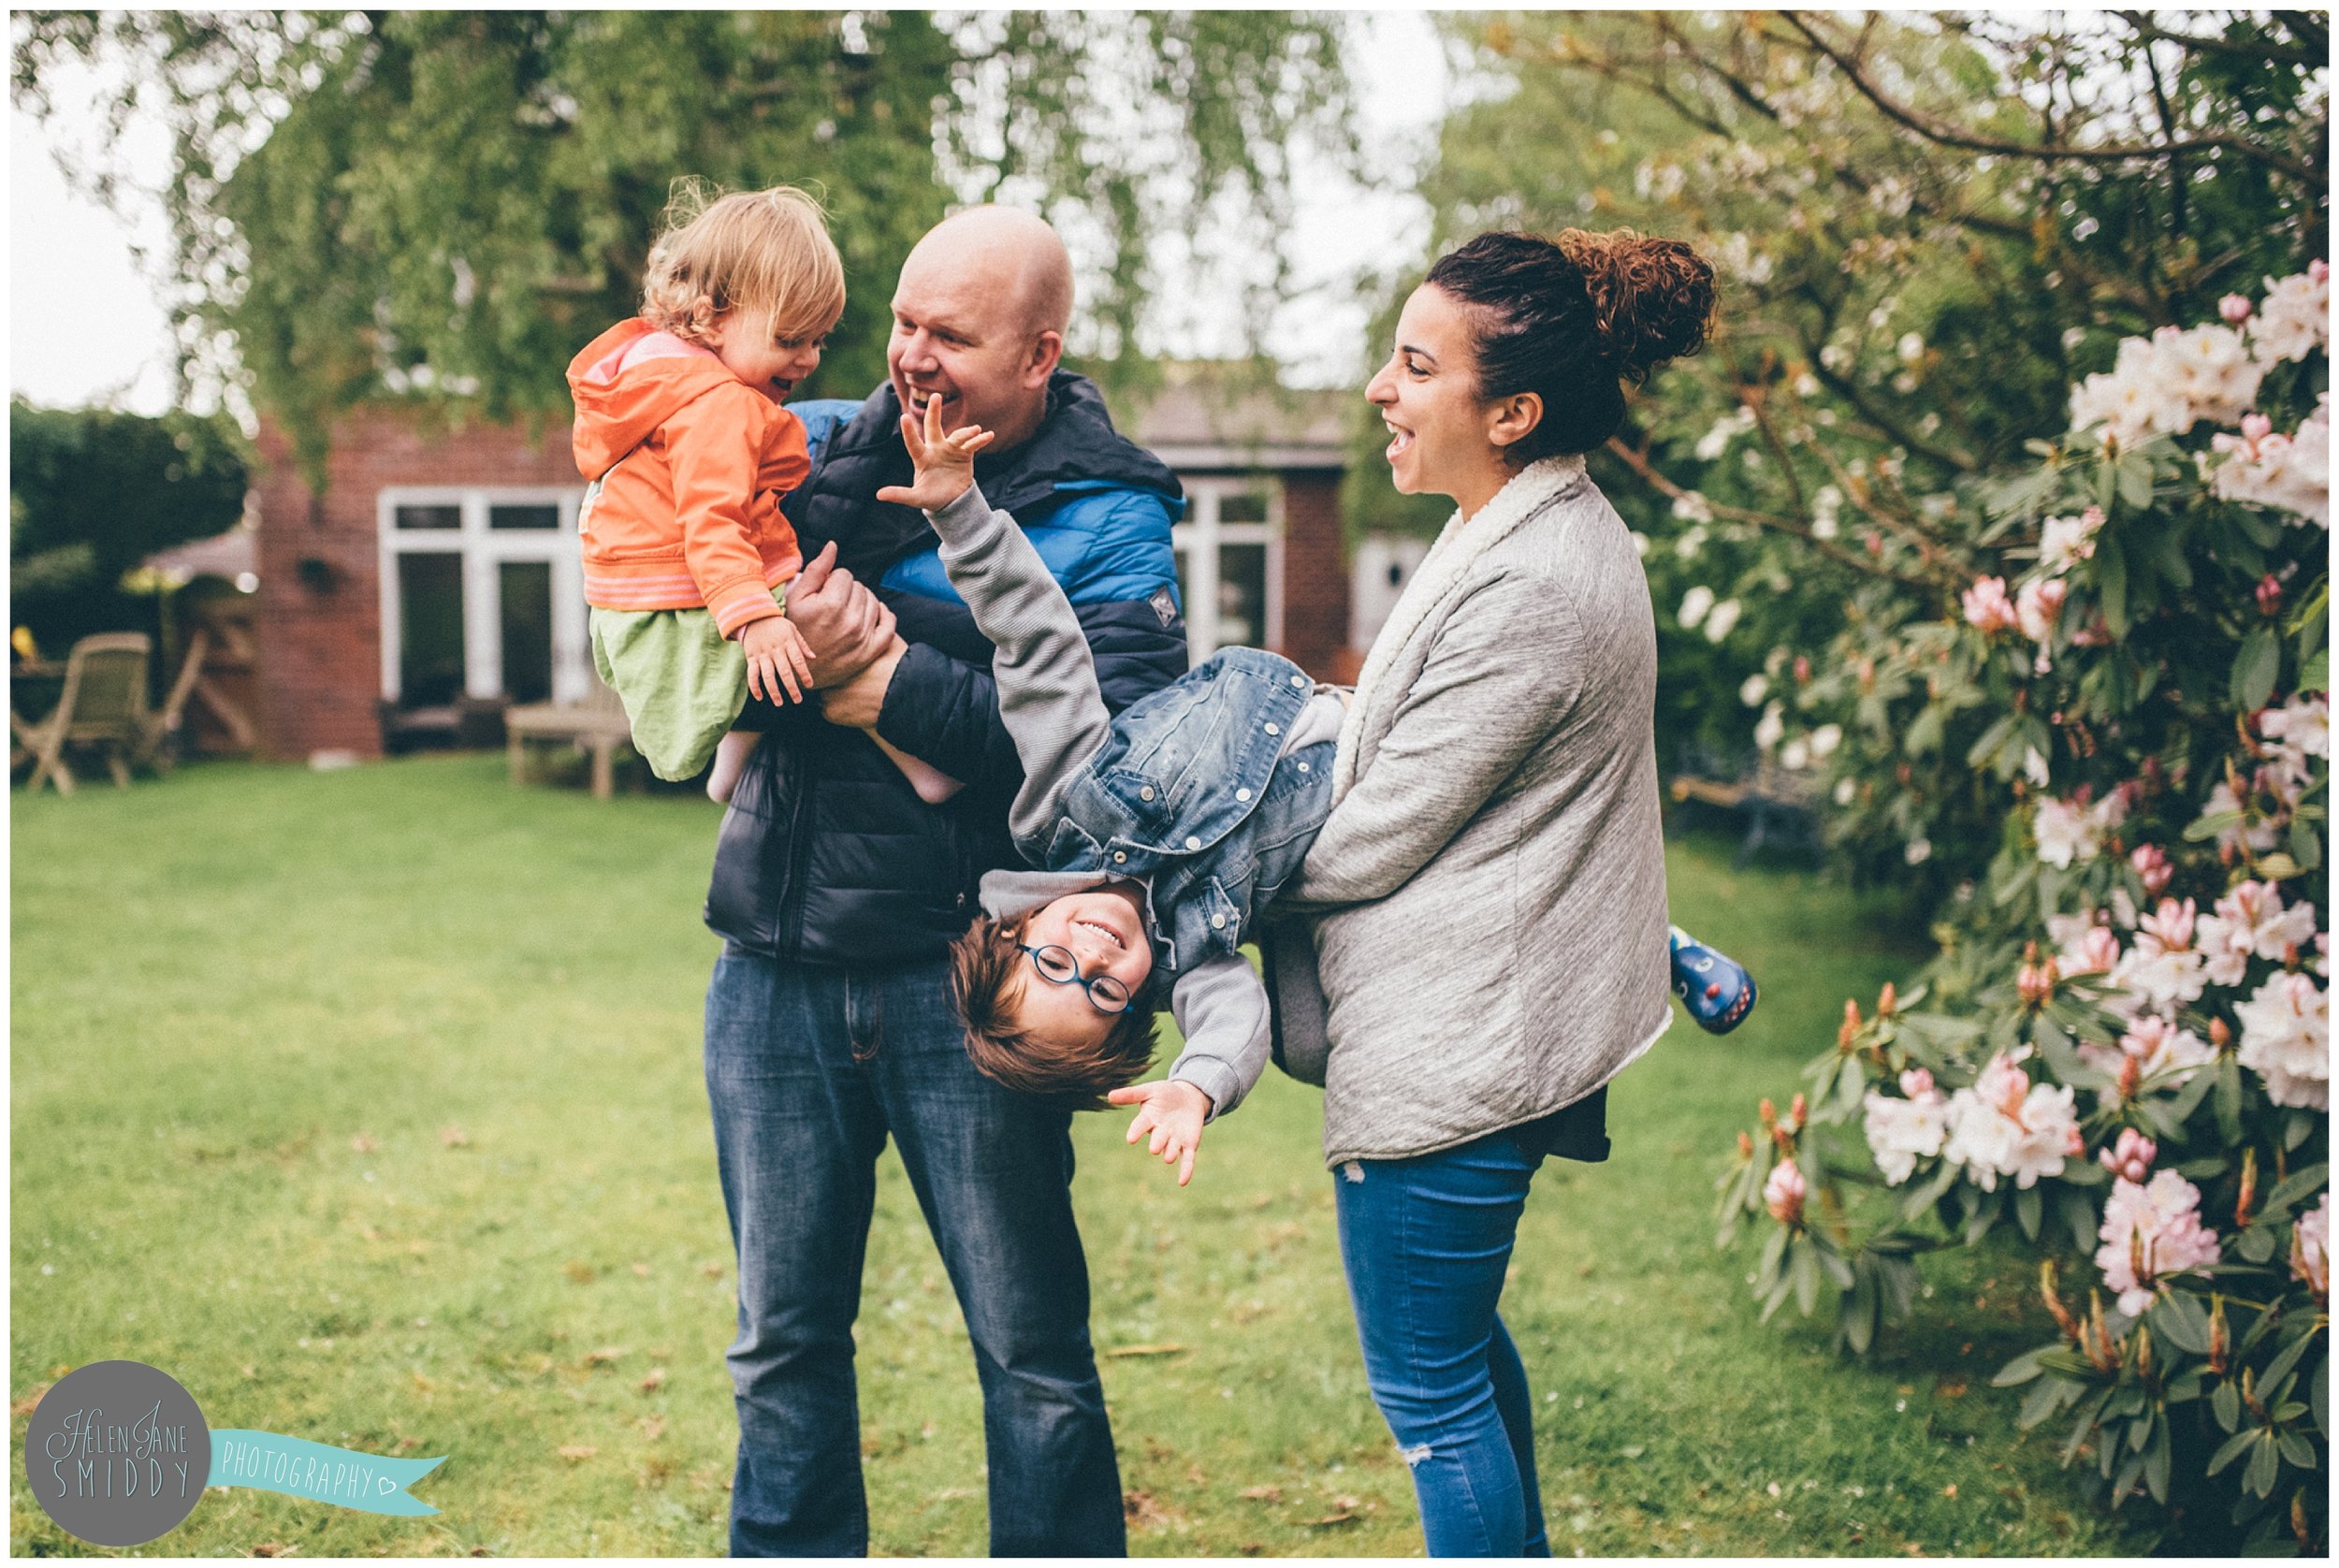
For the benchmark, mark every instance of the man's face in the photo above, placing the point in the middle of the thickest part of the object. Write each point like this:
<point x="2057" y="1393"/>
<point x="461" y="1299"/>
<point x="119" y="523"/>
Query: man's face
<point x="967" y="337"/>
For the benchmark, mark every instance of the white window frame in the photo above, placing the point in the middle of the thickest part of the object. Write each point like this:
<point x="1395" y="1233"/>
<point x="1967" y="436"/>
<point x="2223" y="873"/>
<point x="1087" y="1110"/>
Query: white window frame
<point x="482" y="550"/>
<point x="1199" y="537"/>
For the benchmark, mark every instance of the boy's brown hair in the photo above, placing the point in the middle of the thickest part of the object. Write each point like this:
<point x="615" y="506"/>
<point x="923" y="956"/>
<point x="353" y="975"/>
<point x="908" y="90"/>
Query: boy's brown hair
<point x="988" y="977"/>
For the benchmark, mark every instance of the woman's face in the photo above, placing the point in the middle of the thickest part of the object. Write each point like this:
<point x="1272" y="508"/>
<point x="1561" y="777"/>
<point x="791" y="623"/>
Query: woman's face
<point x="1440" y="434"/>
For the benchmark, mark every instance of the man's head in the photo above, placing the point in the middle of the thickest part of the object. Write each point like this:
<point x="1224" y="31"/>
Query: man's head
<point x="1027" y="989"/>
<point x="979" y="321"/>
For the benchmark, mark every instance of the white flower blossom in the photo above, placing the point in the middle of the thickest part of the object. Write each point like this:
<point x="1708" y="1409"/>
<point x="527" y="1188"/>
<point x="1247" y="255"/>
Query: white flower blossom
<point x="2289" y="473"/>
<point x="1825" y="739"/>
<point x="1724" y="616"/>
<point x="1694" y="605"/>
<point x="2065" y="542"/>
<point x="1917" y="850"/>
<point x="1795" y="755"/>
<point x="2150" y="1232"/>
<point x="1753" y="689"/>
<point x="1771" y="725"/>
<point x="2294" y="318"/>
<point x="1902" y="1131"/>
<point x="2258" y="834"/>
<point x="2251" y="922"/>
<point x="2286" y="1039"/>
<point x="1847" y="790"/>
<point x="2007" y="1125"/>
<point x="1691" y="506"/>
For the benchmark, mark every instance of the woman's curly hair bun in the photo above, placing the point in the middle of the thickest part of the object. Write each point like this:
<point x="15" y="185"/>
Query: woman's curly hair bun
<point x="1652" y="299"/>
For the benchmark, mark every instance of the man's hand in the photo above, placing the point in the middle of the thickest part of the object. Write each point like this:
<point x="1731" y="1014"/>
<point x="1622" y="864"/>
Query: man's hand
<point x="944" y="464"/>
<point x="857" y="703"/>
<point x="843" y="624"/>
<point x="1172" y="1111"/>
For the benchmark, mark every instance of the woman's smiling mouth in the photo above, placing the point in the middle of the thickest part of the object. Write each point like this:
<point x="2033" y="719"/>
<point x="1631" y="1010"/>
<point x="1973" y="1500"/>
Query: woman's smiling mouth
<point x="1399" y="440"/>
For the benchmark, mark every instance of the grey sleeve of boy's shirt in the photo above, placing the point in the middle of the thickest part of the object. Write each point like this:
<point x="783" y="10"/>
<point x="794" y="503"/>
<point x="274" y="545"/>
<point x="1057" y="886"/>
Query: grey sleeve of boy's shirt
<point x="1221" y="1008"/>
<point x="1046" y="675"/>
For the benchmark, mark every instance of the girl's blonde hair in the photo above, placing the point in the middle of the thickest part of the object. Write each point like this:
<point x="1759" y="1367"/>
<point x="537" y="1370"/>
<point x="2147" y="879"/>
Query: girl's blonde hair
<point x="760" y="252"/>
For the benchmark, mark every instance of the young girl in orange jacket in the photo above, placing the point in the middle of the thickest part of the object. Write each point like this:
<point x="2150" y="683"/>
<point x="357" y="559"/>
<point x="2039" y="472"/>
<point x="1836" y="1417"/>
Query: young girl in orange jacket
<point x="681" y="431"/>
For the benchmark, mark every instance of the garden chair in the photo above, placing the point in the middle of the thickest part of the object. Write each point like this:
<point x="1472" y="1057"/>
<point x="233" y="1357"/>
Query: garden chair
<point x="103" y="705"/>
<point x="158" y="747"/>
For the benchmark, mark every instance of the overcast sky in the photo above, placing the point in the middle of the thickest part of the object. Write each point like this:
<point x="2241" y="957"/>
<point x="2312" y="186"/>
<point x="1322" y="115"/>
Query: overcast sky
<point x="85" y="325"/>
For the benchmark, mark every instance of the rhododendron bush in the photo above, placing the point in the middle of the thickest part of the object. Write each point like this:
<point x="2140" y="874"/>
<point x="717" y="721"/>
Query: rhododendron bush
<point x="2123" y="1049"/>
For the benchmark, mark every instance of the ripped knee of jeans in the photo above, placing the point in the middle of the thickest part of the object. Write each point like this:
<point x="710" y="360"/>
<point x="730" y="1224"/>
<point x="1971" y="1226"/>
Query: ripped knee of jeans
<point x="1415" y="1455"/>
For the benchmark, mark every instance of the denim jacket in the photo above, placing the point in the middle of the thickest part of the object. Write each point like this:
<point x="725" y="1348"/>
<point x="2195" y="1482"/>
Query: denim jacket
<point x="1193" y="795"/>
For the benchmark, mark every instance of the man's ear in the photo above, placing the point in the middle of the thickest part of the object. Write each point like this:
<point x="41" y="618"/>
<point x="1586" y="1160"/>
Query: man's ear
<point x="1514" y="418"/>
<point x="1041" y="358"/>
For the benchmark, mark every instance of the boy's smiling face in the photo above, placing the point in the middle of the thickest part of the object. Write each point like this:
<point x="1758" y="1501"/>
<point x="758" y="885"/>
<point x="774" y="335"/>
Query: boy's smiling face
<point x="1104" y="931"/>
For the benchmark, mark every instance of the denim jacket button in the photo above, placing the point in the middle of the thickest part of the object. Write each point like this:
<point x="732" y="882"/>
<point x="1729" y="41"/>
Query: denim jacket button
<point x="1242" y="794"/>
<point x="1120" y="855"/>
<point x="1299" y="680"/>
<point x="1218" y="922"/>
<point x="1145" y="793"/>
<point x="1274" y="728"/>
<point x="1193" y="843"/>
<point x="1304" y="767"/>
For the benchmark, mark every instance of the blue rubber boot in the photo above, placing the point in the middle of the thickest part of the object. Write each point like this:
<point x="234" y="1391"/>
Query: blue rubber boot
<point x="1717" y="991"/>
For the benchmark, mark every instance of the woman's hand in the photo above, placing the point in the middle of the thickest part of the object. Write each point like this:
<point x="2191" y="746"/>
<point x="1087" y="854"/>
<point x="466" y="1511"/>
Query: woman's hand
<point x="945" y="464"/>
<point x="1172" y="1111"/>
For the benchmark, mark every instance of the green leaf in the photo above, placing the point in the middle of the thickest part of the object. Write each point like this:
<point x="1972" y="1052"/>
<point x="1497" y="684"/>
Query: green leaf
<point x="2135" y="480"/>
<point x="2112" y="582"/>
<point x="2284" y="1361"/>
<point x="2319" y="1397"/>
<point x="2315" y="673"/>
<point x="2226" y="1405"/>
<point x="2178" y="1318"/>
<point x="1859" y="1310"/>
<point x="2078" y="1213"/>
<point x="2023" y="1368"/>
<point x="1766" y="1268"/>
<point x="2298" y="1450"/>
<point x="2229" y="1100"/>
<point x="2301" y="1183"/>
<point x="2041" y="1405"/>
<point x="2157" y="1460"/>
<point x="1803" y="1265"/>
<point x="2256" y="1244"/>
<point x="2265" y="1468"/>
<point x="2255" y="668"/>
<point x="2029" y="1208"/>
<point x="2188" y="1098"/>
<point x="2234" y="1448"/>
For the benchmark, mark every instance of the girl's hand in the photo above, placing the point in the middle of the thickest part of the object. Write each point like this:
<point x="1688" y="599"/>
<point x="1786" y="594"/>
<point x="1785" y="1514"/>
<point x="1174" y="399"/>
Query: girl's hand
<point x="945" y="464"/>
<point x="777" y="658"/>
<point x="1172" y="1111"/>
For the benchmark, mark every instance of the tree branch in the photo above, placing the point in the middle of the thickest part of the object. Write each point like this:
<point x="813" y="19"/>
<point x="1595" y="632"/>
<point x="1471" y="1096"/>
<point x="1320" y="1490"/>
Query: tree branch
<point x="2148" y="31"/>
<point x="1948" y="134"/>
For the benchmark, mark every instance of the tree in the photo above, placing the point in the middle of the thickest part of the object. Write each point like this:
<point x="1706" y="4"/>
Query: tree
<point x="1928" y="228"/>
<point x="442" y="206"/>
<point x="92" y="492"/>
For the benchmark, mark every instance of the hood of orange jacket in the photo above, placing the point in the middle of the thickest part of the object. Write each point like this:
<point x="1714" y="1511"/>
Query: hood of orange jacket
<point x="613" y="412"/>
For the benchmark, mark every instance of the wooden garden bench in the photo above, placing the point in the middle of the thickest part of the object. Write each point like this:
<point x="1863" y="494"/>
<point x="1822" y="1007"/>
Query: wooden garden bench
<point x="596" y="726"/>
<point x="1780" y="804"/>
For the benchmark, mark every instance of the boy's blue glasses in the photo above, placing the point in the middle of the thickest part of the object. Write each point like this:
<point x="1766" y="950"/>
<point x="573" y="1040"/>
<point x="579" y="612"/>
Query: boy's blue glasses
<point x="1057" y="966"/>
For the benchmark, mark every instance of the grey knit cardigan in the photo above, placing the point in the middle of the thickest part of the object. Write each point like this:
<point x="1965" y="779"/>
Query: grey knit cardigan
<point x="1493" y="946"/>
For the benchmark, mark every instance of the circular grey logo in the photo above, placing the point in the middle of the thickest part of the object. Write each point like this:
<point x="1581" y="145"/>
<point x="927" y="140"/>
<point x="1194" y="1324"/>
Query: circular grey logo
<point x="118" y="1453"/>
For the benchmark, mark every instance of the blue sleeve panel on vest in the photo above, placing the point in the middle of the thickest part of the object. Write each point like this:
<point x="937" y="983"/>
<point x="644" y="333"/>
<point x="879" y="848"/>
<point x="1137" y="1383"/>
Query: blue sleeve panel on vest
<point x="1103" y="544"/>
<point x="823" y="417"/>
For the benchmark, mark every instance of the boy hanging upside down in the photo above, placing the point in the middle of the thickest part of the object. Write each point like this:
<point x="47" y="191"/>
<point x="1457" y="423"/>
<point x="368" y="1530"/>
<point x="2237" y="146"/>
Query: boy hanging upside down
<point x="1160" y="838"/>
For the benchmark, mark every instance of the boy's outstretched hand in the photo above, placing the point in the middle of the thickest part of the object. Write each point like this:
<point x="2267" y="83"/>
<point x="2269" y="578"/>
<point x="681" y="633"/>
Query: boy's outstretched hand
<point x="1172" y="1111"/>
<point x="945" y="464"/>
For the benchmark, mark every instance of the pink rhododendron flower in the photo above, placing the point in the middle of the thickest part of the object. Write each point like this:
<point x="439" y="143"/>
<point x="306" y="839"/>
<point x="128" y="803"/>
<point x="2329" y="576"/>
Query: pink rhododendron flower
<point x="1782" y="1195"/>
<point x="1987" y="607"/>
<point x="2095" y="954"/>
<point x="2038" y="606"/>
<point x="2150" y="1232"/>
<point x="1902" y="1131"/>
<point x="2286" y="1039"/>
<point x="2065" y="542"/>
<point x="2234" y="308"/>
<point x="2310" y="1249"/>
<point x="2006" y="1126"/>
<point x="2251" y="922"/>
<point x="2152" y="869"/>
<point x="2130" y="1157"/>
<point x="2259" y="833"/>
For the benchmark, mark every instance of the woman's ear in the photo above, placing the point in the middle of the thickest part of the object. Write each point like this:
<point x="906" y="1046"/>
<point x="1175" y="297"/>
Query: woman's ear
<point x="1511" y="420"/>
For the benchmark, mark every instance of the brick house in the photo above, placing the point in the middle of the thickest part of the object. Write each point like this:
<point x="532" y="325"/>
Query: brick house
<point x="436" y="577"/>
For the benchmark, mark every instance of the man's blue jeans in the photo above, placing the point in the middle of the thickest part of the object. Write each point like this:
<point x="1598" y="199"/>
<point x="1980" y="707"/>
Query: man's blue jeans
<point x="1425" y="1241"/>
<point x="809" y="1069"/>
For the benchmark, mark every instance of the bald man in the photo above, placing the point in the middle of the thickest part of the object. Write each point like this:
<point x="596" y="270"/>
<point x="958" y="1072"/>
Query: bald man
<point x="829" y="1023"/>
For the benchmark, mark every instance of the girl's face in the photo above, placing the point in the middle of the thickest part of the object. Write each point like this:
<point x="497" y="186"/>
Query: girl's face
<point x="752" y="351"/>
<point x="1443" y="439"/>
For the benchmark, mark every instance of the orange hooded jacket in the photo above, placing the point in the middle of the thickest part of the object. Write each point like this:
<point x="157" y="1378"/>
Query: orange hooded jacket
<point x="692" y="463"/>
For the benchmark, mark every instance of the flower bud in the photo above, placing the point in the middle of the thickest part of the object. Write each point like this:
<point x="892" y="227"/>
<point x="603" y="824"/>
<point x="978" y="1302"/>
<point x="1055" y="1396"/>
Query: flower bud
<point x="1769" y="1112"/>
<point x="2131" y="1076"/>
<point x="2034" y="983"/>
<point x="2221" y="1033"/>
<point x="1795" y="1111"/>
<point x="1746" y="1147"/>
<point x="1783" y="1194"/>
<point x="2234" y="308"/>
<point x="2268" y="596"/>
<point x="2248" y="1195"/>
<point x="2130" y="1157"/>
<point x="1916" y="1083"/>
<point x="1802" y="668"/>
<point x="2063" y="1318"/>
<point x="2152" y="868"/>
<point x="1887" y="1000"/>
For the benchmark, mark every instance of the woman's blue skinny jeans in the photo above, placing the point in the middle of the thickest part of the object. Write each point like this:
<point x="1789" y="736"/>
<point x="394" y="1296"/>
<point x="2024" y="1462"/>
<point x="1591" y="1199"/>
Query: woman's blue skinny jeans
<point x="1425" y="1241"/>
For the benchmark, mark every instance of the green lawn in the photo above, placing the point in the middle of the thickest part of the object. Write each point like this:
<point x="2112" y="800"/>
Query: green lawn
<point x="369" y="1105"/>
